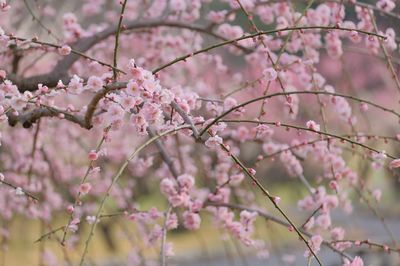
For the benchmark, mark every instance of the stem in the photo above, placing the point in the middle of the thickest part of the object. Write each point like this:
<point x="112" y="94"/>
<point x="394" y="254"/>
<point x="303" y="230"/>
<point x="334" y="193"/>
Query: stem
<point x="29" y="195"/>
<point x="82" y="181"/>
<point x="385" y="52"/>
<point x="117" y="40"/>
<point x="164" y="237"/>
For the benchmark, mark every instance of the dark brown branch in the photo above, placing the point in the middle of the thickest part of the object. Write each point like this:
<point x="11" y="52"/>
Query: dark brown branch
<point x="27" y="119"/>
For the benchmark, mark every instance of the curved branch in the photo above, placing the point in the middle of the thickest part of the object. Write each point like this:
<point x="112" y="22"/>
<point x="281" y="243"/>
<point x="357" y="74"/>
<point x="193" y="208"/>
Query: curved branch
<point x="27" y="119"/>
<point x="295" y="92"/>
<point x="59" y="72"/>
<point x="310" y="130"/>
<point x="115" y="179"/>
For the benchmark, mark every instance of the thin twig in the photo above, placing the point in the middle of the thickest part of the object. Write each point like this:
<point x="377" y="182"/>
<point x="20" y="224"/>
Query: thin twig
<point x="310" y="130"/>
<point x="119" y="28"/>
<point x="26" y="193"/>
<point x="184" y="57"/>
<point x="164" y="237"/>
<point x="278" y="221"/>
<point x="115" y="179"/>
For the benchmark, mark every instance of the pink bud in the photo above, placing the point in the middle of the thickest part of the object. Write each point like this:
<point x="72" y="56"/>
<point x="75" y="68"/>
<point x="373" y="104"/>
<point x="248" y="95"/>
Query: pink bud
<point x="251" y="171"/>
<point x="364" y="107"/>
<point x="93" y="156"/>
<point x="85" y="188"/>
<point x="270" y="74"/>
<point x="70" y="209"/>
<point x="394" y="164"/>
<point x="334" y="185"/>
<point x="276" y="200"/>
<point x="64" y="50"/>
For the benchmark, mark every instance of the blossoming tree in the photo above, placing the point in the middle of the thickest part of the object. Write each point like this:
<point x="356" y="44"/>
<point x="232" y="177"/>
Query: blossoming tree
<point x="201" y="102"/>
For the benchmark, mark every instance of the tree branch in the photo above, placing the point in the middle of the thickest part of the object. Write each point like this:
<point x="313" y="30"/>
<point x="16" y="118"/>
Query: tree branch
<point x="60" y="71"/>
<point x="278" y="221"/>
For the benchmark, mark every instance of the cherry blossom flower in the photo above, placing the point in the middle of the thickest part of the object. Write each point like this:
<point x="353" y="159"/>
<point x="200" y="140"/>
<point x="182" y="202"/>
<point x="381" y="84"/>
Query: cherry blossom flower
<point x="270" y="74"/>
<point x="312" y="125"/>
<point x="95" y="83"/>
<point x="19" y="191"/>
<point x="172" y="222"/>
<point x="85" y="188"/>
<point x="64" y="50"/>
<point x="90" y="219"/>
<point x="387" y="5"/>
<point x="337" y="233"/>
<point x="377" y="194"/>
<point x="75" y="85"/>
<point x="186" y="181"/>
<point x="357" y="261"/>
<point x="394" y="164"/>
<point x="213" y="142"/>
<point x="191" y="220"/>
<point x="315" y="243"/>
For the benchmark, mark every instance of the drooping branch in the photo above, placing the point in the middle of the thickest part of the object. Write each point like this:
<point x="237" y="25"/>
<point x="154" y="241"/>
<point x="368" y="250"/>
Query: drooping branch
<point x="115" y="179"/>
<point x="118" y="32"/>
<point x="278" y="221"/>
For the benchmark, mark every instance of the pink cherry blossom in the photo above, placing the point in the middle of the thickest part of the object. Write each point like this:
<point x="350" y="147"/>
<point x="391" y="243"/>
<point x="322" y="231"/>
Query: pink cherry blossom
<point x="186" y="181"/>
<point x="387" y="5"/>
<point x="85" y="188"/>
<point x="95" y="83"/>
<point x="312" y="125"/>
<point x="172" y="222"/>
<point x="337" y="233"/>
<point x="323" y="221"/>
<point x="270" y="74"/>
<point x="93" y="155"/>
<point x="64" y="50"/>
<point x="316" y="241"/>
<point x="191" y="220"/>
<point x="377" y="193"/>
<point x="213" y="142"/>
<point x="357" y="261"/>
<point x="394" y="164"/>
